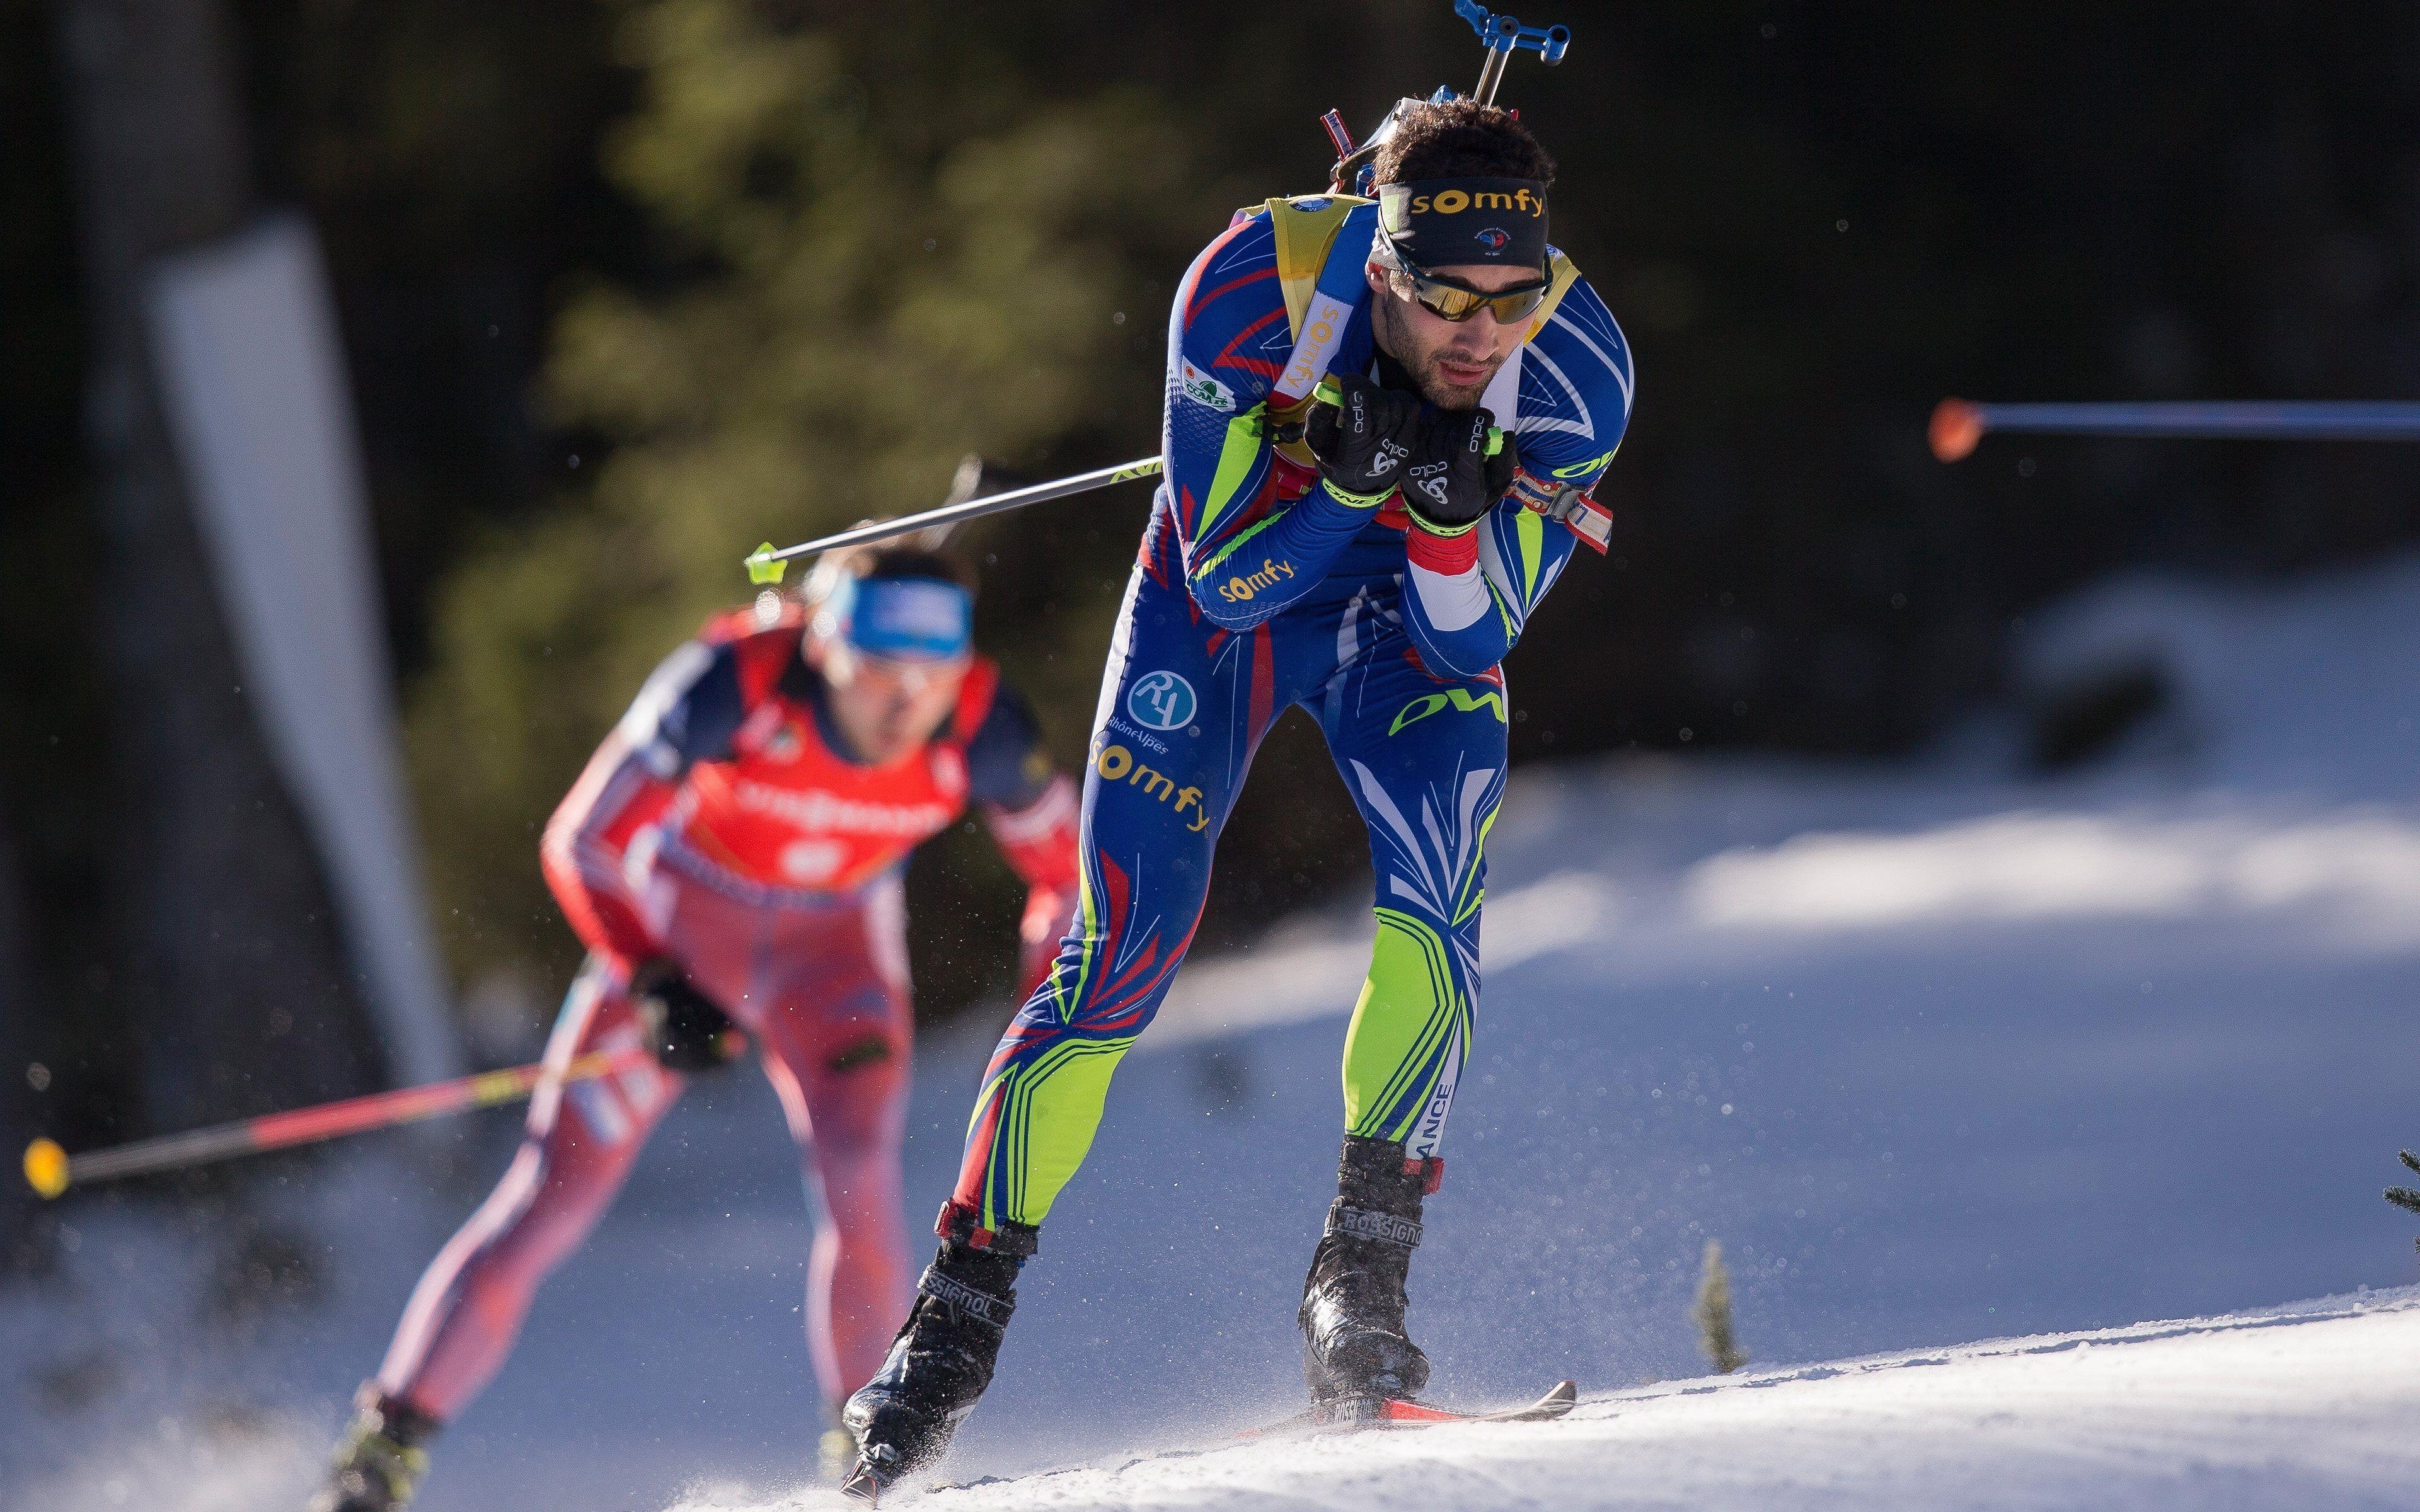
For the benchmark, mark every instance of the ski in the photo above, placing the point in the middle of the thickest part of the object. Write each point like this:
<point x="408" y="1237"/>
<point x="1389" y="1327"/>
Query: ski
<point x="865" y="1485"/>
<point x="1558" y="1399"/>
<point x="1397" y="1411"/>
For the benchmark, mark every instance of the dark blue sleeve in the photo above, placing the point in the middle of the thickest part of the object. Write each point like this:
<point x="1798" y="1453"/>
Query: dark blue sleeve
<point x="1228" y="335"/>
<point x="1576" y="381"/>
<point x="688" y="711"/>
<point x="1006" y="762"/>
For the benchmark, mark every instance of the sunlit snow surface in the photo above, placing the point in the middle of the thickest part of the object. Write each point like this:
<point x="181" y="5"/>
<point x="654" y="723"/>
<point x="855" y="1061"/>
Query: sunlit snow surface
<point x="1937" y="1052"/>
<point x="2309" y="1407"/>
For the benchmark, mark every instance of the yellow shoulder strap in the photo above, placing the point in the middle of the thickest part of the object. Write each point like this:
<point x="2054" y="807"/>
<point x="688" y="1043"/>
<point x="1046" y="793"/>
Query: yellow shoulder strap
<point x="1565" y="276"/>
<point x="1306" y="227"/>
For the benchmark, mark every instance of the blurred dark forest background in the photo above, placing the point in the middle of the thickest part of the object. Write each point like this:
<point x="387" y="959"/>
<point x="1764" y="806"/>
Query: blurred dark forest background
<point x="630" y="285"/>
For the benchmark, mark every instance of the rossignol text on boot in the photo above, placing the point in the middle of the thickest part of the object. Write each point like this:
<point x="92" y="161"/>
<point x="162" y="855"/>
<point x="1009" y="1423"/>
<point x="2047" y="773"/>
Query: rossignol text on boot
<point x="940" y="1362"/>
<point x="1355" y="1347"/>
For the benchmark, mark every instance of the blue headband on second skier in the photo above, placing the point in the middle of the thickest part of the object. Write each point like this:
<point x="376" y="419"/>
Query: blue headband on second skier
<point x="924" y="619"/>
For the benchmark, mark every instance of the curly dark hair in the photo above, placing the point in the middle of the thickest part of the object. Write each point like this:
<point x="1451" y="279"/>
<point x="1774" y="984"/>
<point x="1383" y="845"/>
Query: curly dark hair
<point x="1461" y="139"/>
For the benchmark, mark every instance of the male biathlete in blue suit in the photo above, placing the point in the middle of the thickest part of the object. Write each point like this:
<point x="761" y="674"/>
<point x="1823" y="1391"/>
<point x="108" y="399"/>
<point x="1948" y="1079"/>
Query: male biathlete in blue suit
<point x="1371" y="558"/>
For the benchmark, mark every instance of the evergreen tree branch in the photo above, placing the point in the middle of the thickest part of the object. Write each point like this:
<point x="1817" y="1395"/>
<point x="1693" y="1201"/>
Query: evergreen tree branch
<point x="2404" y="1196"/>
<point x="1712" y="1313"/>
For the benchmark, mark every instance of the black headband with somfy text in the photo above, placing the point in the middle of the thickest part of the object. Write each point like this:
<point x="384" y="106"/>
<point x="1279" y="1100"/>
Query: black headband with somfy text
<point x="1438" y="223"/>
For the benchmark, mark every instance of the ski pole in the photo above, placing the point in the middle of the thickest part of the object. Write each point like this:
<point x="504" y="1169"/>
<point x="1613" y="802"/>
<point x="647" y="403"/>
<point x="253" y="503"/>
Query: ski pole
<point x="766" y="565"/>
<point x="1958" y="425"/>
<point x="51" y="1170"/>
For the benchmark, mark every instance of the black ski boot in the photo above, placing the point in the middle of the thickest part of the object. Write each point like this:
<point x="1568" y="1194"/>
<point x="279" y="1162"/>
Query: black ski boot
<point x="381" y="1460"/>
<point x="1354" y="1350"/>
<point x="941" y="1360"/>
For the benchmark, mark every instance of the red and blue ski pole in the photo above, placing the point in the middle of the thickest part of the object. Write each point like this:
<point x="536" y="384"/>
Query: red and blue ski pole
<point x="1958" y="426"/>
<point x="51" y="1170"/>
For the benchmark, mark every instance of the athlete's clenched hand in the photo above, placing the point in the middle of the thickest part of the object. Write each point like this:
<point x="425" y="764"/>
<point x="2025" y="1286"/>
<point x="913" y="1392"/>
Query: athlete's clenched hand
<point x="1363" y="440"/>
<point x="685" y="1028"/>
<point x="1454" y="479"/>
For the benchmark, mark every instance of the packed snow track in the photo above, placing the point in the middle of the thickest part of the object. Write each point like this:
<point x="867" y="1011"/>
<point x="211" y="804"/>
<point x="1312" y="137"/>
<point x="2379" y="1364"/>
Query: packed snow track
<point x="2311" y="1406"/>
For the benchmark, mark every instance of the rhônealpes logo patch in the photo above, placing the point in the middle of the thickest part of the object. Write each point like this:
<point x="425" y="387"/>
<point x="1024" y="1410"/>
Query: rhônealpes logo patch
<point x="1493" y="239"/>
<point x="1161" y="699"/>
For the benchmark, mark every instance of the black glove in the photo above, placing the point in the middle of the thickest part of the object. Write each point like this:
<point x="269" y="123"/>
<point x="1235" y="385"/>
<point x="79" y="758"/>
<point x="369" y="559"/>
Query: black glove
<point x="1362" y="437"/>
<point x="684" y="1027"/>
<point x="1455" y="479"/>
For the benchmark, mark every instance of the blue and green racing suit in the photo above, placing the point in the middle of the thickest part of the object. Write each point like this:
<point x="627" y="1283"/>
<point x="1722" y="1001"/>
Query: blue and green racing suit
<point x="1255" y="590"/>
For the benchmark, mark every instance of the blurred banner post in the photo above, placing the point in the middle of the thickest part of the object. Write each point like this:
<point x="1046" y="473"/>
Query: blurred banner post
<point x="238" y="972"/>
<point x="253" y="381"/>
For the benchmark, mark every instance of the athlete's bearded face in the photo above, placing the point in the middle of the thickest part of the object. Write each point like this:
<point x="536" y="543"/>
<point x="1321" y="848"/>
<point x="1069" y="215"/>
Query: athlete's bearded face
<point x="885" y="707"/>
<point x="1450" y="360"/>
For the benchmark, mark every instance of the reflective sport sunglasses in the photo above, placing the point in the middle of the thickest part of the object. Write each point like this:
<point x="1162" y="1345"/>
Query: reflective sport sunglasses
<point x="1449" y="300"/>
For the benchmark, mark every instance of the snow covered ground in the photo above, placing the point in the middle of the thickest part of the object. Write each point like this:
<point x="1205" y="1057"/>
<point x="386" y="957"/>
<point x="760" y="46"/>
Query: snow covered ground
<point x="1938" y="1052"/>
<point x="2308" y="1407"/>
